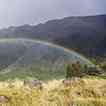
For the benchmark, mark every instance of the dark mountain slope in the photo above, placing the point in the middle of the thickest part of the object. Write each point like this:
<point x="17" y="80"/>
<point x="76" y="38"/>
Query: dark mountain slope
<point x="85" y="34"/>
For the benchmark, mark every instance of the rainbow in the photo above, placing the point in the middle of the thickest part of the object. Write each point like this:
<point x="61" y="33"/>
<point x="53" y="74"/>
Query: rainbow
<point x="24" y="40"/>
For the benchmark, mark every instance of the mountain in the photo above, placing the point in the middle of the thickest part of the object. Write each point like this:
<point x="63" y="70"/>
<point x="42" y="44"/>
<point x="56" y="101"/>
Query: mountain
<point x="83" y="34"/>
<point x="35" y="58"/>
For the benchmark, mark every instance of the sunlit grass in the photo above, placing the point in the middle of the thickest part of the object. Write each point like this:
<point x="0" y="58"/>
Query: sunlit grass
<point x="84" y="92"/>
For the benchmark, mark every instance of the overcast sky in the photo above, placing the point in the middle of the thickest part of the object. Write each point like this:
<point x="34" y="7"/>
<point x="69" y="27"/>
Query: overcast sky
<point x="19" y="12"/>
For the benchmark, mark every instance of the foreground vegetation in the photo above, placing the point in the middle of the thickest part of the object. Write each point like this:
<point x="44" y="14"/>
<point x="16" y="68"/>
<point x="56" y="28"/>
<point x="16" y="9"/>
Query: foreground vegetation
<point x="81" y="92"/>
<point x="87" y="90"/>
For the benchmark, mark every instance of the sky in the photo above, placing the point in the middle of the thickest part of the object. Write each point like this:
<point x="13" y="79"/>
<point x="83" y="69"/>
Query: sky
<point x="19" y="12"/>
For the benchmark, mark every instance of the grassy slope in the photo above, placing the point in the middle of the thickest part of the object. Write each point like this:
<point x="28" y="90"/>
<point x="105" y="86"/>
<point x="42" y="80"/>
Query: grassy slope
<point x="33" y="72"/>
<point x="85" y="92"/>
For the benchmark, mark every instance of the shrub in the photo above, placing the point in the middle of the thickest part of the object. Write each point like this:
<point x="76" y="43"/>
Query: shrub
<point x="74" y="70"/>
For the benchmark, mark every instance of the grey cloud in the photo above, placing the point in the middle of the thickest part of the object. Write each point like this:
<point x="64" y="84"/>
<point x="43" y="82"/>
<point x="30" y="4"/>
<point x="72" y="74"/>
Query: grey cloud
<point x="18" y="12"/>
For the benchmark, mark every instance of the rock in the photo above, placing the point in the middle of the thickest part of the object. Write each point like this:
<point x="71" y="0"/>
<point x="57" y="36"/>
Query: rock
<point x="33" y="83"/>
<point x="94" y="71"/>
<point x="67" y="82"/>
<point x="73" y="81"/>
<point x="4" y="99"/>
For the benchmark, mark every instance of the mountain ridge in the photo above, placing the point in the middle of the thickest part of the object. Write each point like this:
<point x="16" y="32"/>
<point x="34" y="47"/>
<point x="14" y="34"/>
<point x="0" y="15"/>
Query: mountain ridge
<point x="85" y="34"/>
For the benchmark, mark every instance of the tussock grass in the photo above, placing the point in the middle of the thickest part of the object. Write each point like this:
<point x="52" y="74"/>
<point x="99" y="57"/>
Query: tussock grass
<point x="84" y="92"/>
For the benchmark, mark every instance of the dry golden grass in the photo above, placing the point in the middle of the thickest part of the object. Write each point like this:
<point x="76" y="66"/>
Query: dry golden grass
<point x="84" y="92"/>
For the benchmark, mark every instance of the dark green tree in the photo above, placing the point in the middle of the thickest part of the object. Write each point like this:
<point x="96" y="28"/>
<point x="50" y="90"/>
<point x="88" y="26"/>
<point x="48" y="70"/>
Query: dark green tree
<point x="74" y="70"/>
<point x="68" y="71"/>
